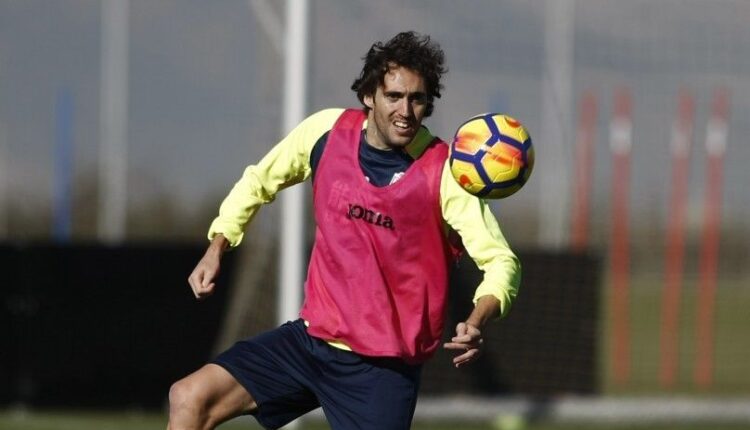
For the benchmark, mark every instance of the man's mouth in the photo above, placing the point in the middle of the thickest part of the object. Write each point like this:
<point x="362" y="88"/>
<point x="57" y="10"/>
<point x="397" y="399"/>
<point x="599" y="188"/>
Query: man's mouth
<point x="402" y="125"/>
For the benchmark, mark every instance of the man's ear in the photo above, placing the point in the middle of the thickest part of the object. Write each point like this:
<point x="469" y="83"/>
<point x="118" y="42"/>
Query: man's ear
<point x="368" y="101"/>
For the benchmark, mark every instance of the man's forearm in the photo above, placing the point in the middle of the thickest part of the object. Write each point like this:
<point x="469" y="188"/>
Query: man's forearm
<point x="218" y="245"/>
<point x="487" y="308"/>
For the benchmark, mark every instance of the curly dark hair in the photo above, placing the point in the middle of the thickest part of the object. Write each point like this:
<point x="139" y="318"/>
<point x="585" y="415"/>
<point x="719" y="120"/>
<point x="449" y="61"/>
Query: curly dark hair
<point x="407" y="49"/>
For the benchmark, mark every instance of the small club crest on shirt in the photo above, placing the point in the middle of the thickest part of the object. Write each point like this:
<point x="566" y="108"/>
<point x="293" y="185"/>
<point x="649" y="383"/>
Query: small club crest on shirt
<point x="396" y="176"/>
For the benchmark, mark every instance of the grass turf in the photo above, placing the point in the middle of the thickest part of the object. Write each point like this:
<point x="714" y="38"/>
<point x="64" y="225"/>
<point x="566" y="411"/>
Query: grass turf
<point x="70" y="420"/>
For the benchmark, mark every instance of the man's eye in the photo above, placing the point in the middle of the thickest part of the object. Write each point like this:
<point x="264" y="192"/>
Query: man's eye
<point x="419" y="98"/>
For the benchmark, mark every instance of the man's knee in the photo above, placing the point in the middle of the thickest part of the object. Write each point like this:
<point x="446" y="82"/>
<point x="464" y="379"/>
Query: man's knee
<point x="185" y="398"/>
<point x="207" y="398"/>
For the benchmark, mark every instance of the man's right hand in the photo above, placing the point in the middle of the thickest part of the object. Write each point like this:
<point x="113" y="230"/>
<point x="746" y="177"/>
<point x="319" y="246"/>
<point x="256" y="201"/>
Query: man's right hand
<point x="202" y="280"/>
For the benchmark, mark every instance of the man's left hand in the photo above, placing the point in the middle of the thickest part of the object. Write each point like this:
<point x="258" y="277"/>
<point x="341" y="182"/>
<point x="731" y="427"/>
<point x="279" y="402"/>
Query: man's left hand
<point x="468" y="340"/>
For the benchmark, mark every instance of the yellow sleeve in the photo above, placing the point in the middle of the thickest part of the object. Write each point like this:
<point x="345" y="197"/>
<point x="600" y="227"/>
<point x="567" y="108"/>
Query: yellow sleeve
<point x="287" y="163"/>
<point x="473" y="220"/>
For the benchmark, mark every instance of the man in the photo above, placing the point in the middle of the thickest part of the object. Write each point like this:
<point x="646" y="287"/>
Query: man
<point x="385" y="206"/>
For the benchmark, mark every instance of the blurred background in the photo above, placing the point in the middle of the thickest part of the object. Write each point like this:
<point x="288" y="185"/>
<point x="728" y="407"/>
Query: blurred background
<point x="124" y="123"/>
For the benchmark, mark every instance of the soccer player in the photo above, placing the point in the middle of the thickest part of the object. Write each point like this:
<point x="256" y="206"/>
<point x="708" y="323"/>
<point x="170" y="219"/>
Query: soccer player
<point x="386" y="208"/>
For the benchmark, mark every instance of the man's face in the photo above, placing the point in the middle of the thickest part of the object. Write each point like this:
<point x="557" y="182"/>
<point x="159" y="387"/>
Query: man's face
<point x="396" y="109"/>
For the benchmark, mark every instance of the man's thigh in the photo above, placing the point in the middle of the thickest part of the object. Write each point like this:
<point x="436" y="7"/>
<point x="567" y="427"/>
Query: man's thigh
<point x="367" y="393"/>
<point x="274" y="367"/>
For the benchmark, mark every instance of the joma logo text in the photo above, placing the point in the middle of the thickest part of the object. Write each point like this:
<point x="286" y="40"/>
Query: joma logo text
<point x="369" y="216"/>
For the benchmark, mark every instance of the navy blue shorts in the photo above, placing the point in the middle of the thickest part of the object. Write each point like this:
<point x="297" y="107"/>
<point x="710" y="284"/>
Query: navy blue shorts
<point x="290" y="373"/>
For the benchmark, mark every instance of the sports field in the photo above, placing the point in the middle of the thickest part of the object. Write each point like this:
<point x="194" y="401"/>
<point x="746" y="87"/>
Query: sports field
<point x="15" y="420"/>
<point x="731" y="377"/>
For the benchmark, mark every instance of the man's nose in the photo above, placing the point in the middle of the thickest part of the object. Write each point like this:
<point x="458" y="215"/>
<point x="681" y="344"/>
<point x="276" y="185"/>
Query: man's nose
<point x="404" y="107"/>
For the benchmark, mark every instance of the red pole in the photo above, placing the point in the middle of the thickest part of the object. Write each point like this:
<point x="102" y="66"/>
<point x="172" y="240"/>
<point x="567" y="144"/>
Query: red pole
<point x="583" y="173"/>
<point x="716" y="142"/>
<point x="620" y="143"/>
<point x="682" y="133"/>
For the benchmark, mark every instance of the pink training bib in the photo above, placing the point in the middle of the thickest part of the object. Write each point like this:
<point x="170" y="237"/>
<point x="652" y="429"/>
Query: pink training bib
<point x="378" y="274"/>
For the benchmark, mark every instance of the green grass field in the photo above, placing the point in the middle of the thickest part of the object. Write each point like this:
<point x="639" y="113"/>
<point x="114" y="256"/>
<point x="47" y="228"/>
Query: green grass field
<point x="732" y="345"/>
<point x="15" y="420"/>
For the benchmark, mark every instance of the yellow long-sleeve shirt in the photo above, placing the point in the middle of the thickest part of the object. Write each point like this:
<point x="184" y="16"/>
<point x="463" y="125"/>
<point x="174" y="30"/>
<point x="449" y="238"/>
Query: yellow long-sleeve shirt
<point x="288" y="163"/>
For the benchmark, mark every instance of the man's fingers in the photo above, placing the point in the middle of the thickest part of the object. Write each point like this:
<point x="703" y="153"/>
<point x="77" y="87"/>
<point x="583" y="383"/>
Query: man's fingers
<point x="200" y="283"/>
<point x="463" y="345"/>
<point x="207" y="278"/>
<point x="471" y="337"/>
<point x="197" y="278"/>
<point x="466" y="357"/>
<point x="204" y="292"/>
<point x="461" y="339"/>
<point x="461" y="329"/>
<point x="194" y="284"/>
<point x="453" y="345"/>
<point x="466" y="333"/>
<point x="468" y="340"/>
<point x="456" y="345"/>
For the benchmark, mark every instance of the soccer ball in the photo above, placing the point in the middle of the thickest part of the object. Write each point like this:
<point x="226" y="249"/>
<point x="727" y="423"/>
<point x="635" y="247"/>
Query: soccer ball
<point x="491" y="156"/>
